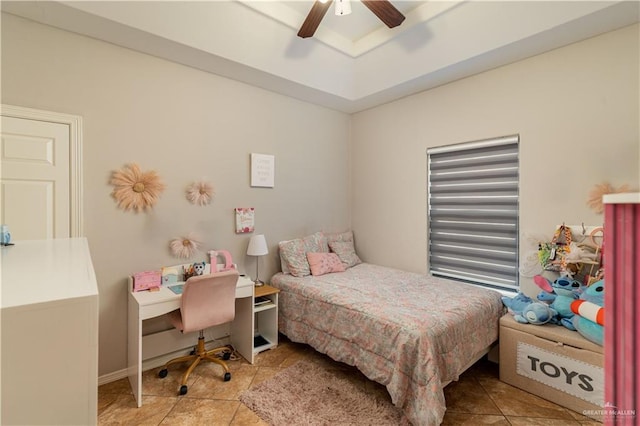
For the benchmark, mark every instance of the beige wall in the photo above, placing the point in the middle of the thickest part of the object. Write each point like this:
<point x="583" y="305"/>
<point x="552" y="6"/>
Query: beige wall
<point x="186" y="125"/>
<point x="575" y="108"/>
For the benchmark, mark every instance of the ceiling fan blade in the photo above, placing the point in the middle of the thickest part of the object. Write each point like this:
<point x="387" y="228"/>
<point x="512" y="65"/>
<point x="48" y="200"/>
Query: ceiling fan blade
<point x="384" y="10"/>
<point x="317" y="12"/>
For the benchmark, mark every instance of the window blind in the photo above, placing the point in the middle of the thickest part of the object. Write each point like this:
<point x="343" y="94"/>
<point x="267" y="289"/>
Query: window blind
<point x="472" y="202"/>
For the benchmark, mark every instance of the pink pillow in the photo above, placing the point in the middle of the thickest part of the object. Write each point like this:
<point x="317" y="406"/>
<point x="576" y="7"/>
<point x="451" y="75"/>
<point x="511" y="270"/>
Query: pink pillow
<point x="324" y="263"/>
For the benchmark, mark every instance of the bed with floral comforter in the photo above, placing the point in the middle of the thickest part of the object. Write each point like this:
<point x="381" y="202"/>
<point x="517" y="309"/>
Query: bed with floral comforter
<point x="412" y="333"/>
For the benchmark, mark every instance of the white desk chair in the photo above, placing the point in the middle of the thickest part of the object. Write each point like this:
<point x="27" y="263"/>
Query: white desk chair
<point x="207" y="300"/>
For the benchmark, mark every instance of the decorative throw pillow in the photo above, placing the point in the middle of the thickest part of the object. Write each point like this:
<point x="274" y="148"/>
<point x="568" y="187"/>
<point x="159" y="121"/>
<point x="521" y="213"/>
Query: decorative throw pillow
<point x="324" y="263"/>
<point x="339" y="236"/>
<point x="346" y="252"/>
<point x="294" y="253"/>
<point x="316" y="242"/>
<point x="284" y="267"/>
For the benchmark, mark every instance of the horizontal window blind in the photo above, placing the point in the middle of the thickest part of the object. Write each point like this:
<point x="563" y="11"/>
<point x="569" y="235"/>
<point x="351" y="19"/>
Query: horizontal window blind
<point x="473" y="212"/>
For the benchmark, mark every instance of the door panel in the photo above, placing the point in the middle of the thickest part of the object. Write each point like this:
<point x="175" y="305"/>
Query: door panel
<point x="35" y="178"/>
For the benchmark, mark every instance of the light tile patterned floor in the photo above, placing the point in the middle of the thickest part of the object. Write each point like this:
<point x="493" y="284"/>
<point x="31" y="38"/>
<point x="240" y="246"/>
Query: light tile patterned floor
<point x="478" y="398"/>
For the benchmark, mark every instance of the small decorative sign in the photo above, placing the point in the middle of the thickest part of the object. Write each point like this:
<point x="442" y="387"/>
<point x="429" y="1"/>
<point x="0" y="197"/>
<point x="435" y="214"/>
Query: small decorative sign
<point x="244" y="219"/>
<point x="262" y="170"/>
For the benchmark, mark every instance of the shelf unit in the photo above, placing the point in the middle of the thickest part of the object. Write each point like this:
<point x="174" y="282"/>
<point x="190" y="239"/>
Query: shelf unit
<point x="255" y="320"/>
<point x="265" y="331"/>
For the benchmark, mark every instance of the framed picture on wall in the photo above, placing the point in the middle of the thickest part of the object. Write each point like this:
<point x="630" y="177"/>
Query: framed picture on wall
<point x="244" y="219"/>
<point x="263" y="170"/>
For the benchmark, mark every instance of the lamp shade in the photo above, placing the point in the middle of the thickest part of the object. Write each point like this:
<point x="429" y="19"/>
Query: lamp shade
<point x="257" y="246"/>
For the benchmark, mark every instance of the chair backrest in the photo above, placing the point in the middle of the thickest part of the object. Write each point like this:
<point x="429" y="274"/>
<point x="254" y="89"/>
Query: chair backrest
<point x="208" y="300"/>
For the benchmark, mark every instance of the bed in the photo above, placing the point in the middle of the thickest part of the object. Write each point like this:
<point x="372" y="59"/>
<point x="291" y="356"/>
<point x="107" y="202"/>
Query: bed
<point x="410" y="332"/>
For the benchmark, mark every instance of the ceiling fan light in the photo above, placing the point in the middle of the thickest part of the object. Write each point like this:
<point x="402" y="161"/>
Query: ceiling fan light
<point x="343" y="7"/>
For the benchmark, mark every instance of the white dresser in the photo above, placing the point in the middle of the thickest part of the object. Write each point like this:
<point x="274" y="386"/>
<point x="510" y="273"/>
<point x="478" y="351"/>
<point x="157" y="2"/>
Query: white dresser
<point x="49" y="327"/>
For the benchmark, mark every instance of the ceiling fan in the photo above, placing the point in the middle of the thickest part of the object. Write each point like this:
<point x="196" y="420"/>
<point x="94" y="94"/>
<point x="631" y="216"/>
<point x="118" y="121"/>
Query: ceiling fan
<point x="383" y="9"/>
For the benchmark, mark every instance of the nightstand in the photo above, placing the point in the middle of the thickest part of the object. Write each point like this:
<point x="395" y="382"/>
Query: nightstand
<point x="265" y="313"/>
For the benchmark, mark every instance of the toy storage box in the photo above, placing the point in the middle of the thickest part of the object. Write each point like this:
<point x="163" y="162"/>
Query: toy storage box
<point x="553" y="363"/>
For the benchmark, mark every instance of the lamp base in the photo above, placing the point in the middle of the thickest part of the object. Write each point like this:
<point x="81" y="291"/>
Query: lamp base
<point x="258" y="283"/>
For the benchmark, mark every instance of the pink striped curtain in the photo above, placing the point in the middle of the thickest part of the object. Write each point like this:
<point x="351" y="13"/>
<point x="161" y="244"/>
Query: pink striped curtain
<point x="622" y="318"/>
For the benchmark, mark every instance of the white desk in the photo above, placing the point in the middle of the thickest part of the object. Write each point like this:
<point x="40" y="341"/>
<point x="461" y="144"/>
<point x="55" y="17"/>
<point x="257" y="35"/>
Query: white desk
<point x="144" y="305"/>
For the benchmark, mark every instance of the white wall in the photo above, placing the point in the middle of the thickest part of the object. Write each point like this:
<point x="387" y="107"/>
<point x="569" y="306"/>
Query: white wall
<point x="186" y="125"/>
<point x="575" y="108"/>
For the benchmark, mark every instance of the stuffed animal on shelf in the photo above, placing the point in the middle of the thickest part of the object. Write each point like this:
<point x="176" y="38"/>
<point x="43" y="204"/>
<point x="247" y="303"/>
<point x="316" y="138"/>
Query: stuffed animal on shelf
<point x="535" y="313"/>
<point x="589" y="313"/>
<point x="566" y="290"/>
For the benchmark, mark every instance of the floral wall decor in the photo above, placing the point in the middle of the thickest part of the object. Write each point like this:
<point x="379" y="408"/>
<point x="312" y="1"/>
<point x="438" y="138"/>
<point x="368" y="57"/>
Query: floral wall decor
<point x="185" y="247"/>
<point x="200" y="193"/>
<point x="134" y="189"/>
<point x="595" y="195"/>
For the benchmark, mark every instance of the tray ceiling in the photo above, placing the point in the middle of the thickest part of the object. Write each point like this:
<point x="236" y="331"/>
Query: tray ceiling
<point x="353" y="62"/>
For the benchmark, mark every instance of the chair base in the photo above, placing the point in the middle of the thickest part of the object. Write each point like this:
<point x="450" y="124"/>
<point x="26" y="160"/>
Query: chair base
<point x="201" y="354"/>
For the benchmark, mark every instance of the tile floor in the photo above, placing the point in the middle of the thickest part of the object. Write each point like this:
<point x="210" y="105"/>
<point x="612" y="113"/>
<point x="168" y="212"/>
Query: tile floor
<point x="478" y="398"/>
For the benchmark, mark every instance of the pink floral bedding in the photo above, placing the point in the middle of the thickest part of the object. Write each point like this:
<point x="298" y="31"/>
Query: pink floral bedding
<point x="410" y="332"/>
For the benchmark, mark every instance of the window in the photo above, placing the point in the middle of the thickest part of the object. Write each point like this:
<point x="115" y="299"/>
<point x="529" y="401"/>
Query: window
<point x="472" y="216"/>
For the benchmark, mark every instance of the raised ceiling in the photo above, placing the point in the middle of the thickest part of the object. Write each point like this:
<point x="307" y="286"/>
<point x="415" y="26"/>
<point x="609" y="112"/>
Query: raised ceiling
<point x="353" y="62"/>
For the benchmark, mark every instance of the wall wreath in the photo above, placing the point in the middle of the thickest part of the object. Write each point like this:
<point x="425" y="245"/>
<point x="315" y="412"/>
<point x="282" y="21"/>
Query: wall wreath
<point x="184" y="247"/>
<point x="200" y="193"/>
<point x="134" y="189"/>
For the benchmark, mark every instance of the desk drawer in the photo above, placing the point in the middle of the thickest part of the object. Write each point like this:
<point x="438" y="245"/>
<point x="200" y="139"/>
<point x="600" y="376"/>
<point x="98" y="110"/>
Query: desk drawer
<point x="152" y="311"/>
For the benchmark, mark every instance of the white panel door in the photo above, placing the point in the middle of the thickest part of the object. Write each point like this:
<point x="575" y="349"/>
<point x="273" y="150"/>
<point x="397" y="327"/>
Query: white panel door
<point x="35" y="178"/>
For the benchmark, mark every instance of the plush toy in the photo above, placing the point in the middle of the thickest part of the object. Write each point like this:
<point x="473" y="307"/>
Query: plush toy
<point x="546" y="297"/>
<point x="566" y="290"/>
<point x="198" y="268"/>
<point x="589" y="313"/>
<point x="194" y="269"/>
<point x="535" y="313"/>
<point x="526" y="311"/>
<point x="515" y="305"/>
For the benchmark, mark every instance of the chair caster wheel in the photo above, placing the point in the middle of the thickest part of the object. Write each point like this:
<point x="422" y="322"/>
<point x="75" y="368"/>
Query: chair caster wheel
<point x="163" y="373"/>
<point x="227" y="377"/>
<point x="183" y="390"/>
<point x="226" y="356"/>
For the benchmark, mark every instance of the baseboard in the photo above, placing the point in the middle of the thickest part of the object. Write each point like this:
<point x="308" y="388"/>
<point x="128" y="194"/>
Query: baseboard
<point x="112" y="377"/>
<point x="155" y="362"/>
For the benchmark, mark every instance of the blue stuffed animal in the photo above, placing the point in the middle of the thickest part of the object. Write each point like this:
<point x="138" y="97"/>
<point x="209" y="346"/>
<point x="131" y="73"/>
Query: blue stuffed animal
<point x="589" y="313"/>
<point x="566" y="290"/>
<point x="536" y="313"/>
<point x="517" y="303"/>
<point x="526" y="311"/>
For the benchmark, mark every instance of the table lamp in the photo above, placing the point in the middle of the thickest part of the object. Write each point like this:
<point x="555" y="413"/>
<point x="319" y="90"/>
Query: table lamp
<point x="257" y="247"/>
